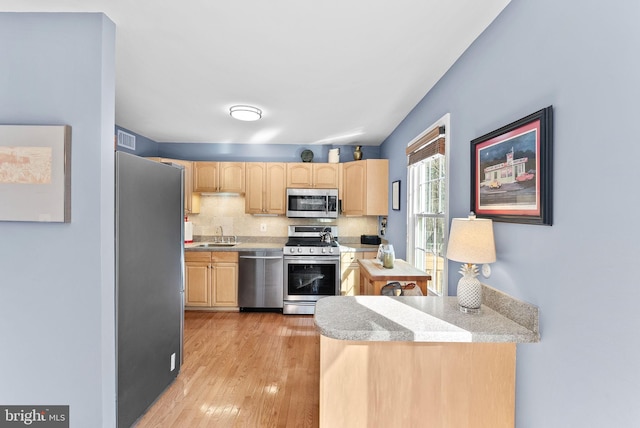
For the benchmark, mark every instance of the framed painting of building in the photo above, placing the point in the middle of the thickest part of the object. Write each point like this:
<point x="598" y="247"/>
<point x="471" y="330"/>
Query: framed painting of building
<point x="35" y="173"/>
<point x="511" y="171"/>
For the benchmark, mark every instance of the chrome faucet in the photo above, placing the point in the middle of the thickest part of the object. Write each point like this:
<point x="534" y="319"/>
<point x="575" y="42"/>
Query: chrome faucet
<point x="221" y="232"/>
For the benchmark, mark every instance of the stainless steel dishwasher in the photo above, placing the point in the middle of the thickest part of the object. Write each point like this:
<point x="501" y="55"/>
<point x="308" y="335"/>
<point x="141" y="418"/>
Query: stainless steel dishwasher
<point x="260" y="283"/>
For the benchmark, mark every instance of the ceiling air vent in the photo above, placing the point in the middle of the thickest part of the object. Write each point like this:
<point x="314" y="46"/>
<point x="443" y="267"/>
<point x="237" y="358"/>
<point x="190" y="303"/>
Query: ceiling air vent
<point x="126" y="140"/>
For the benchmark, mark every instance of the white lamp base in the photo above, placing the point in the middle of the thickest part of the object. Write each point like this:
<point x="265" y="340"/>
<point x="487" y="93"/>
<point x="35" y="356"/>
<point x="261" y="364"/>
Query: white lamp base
<point x="469" y="294"/>
<point x="469" y="310"/>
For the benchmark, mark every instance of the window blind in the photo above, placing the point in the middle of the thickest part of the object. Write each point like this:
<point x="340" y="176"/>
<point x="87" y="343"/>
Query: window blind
<point x="429" y="144"/>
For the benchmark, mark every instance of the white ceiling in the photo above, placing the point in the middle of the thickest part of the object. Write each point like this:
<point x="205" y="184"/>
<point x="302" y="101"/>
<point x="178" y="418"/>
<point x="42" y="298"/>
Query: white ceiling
<point x="323" y="72"/>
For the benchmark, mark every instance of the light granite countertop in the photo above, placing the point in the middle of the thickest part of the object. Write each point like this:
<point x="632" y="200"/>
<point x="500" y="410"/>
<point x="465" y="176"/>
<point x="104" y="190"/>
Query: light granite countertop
<point x="255" y="244"/>
<point x="241" y="246"/>
<point x="414" y="319"/>
<point x="357" y="247"/>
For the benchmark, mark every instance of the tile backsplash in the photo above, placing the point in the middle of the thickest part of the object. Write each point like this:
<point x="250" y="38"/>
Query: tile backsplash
<point x="227" y="211"/>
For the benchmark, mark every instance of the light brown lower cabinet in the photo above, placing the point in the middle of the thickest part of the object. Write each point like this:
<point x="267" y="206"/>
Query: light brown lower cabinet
<point x="211" y="279"/>
<point x="350" y="271"/>
<point x="417" y="384"/>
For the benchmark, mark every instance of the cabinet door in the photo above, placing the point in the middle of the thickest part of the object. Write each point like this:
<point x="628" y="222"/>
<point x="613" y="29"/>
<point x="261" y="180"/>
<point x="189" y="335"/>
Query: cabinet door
<point x="205" y="177"/>
<point x="299" y="175"/>
<point x="325" y="176"/>
<point x="224" y="278"/>
<point x="349" y="274"/>
<point x="275" y="188"/>
<point x="366" y="288"/>
<point x="231" y="177"/>
<point x="350" y="271"/>
<point x="254" y="202"/>
<point x="225" y="284"/>
<point x="197" y="284"/>
<point x="354" y="188"/>
<point x="377" y="187"/>
<point x="365" y="187"/>
<point x="191" y="200"/>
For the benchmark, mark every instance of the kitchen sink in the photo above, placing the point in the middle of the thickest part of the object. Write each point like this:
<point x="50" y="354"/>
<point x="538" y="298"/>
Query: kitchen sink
<point x="216" y="244"/>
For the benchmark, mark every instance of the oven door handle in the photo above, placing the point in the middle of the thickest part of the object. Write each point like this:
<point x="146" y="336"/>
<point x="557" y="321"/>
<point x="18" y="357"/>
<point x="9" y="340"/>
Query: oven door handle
<point x="311" y="259"/>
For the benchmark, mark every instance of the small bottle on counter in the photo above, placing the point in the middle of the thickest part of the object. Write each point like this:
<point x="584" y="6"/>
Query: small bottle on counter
<point x="388" y="257"/>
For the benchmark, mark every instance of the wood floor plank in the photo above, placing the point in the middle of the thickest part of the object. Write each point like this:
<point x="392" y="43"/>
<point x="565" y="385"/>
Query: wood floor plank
<point x="243" y="370"/>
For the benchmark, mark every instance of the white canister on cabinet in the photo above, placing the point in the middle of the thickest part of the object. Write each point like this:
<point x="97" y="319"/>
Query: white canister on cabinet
<point x="334" y="155"/>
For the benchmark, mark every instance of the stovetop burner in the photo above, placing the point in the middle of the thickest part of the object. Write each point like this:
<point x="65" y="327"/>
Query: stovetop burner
<point x="301" y="242"/>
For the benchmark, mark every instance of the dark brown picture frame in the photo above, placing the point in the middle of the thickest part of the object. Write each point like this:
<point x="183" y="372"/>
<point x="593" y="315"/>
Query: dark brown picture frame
<point x="395" y="195"/>
<point x="511" y="171"/>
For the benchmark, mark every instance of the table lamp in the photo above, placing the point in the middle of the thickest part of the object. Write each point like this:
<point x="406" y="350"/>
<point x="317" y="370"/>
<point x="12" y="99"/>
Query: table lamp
<point x="470" y="242"/>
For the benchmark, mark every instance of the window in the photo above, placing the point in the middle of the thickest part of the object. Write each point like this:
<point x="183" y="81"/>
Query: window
<point x="427" y="206"/>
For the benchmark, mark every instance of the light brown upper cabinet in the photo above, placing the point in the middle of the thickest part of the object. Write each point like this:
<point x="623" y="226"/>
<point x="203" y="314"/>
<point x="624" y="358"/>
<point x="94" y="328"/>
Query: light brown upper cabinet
<point x="312" y="175"/>
<point x="266" y="188"/>
<point x="365" y="187"/>
<point x="225" y="177"/>
<point x="191" y="200"/>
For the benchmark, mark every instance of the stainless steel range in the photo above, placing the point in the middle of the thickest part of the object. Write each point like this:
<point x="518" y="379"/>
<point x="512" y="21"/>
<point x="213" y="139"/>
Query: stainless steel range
<point x="311" y="267"/>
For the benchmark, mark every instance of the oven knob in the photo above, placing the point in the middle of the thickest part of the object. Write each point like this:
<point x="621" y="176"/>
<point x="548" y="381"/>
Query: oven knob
<point x="291" y="250"/>
<point x="299" y="249"/>
<point x="330" y="250"/>
<point x="311" y="250"/>
<point x="324" y="250"/>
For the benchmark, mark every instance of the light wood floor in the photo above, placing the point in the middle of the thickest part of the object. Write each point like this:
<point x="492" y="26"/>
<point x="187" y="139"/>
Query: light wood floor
<point x="243" y="370"/>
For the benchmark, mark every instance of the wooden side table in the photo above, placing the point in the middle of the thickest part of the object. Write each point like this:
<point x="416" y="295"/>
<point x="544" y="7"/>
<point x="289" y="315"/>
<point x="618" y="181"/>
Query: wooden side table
<point x="373" y="276"/>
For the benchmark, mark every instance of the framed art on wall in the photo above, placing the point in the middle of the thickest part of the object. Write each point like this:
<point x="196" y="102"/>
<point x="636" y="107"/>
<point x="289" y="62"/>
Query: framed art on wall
<point x="511" y="171"/>
<point x="395" y="195"/>
<point x="35" y="173"/>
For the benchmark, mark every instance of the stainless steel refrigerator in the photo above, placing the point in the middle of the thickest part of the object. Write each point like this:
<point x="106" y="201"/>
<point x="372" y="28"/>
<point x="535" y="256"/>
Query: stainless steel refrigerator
<point x="149" y="281"/>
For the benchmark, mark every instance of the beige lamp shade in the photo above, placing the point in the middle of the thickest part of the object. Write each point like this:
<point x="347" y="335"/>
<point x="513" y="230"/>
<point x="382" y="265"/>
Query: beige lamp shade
<point x="471" y="241"/>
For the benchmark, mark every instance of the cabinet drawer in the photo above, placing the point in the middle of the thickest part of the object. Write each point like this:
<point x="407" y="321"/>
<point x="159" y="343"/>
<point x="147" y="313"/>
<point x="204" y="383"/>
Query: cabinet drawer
<point x="224" y="256"/>
<point x="347" y="257"/>
<point x="368" y="255"/>
<point x="197" y="256"/>
<point x="352" y="256"/>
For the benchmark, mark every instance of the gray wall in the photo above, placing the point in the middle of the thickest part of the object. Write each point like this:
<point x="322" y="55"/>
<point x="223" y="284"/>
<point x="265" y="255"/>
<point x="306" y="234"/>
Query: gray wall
<point x="260" y="152"/>
<point x="144" y="146"/>
<point x="242" y="152"/>
<point x="57" y="280"/>
<point x="583" y="59"/>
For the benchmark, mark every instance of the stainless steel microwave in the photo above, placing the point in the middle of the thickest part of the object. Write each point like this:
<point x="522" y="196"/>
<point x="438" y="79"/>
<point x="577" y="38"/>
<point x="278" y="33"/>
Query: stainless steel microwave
<point x="312" y="203"/>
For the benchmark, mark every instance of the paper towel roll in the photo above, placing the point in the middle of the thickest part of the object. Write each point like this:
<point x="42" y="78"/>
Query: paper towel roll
<point x="188" y="231"/>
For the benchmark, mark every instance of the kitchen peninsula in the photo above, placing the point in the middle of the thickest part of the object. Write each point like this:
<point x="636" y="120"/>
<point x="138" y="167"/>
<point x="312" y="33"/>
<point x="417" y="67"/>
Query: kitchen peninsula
<point x="419" y="361"/>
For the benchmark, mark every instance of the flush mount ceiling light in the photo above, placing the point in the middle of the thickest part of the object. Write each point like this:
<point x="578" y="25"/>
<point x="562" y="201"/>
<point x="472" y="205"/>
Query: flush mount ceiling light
<point x="246" y="113"/>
